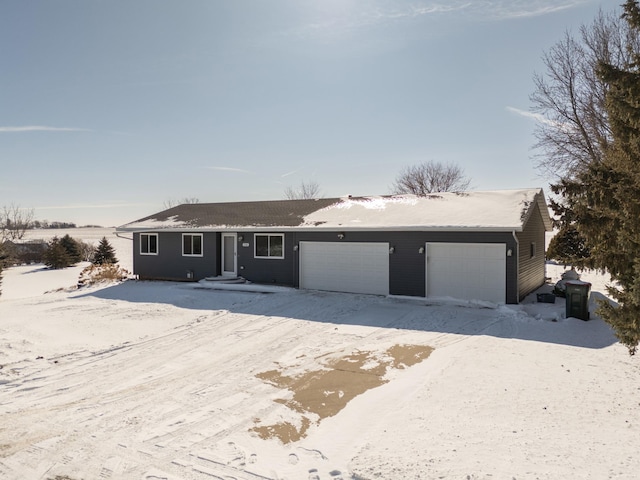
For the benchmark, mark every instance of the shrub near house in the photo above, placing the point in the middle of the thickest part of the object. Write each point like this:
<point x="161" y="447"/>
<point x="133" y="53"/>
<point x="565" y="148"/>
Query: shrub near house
<point x="104" y="266"/>
<point x="103" y="273"/>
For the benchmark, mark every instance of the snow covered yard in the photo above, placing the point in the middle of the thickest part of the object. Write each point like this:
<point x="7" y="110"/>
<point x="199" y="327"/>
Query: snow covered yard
<point x="154" y="380"/>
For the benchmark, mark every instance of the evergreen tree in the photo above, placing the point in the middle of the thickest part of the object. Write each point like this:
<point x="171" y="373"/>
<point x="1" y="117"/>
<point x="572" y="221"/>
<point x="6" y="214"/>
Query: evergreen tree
<point x="56" y="255"/>
<point x="569" y="247"/>
<point x="104" y="253"/>
<point x="605" y="197"/>
<point x="621" y="172"/>
<point x="72" y="247"/>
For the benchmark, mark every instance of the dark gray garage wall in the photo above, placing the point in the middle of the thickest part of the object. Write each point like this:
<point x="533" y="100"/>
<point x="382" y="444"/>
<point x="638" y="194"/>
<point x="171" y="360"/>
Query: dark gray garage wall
<point x="407" y="267"/>
<point x="170" y="264"/>
<point x="406" y="264"/>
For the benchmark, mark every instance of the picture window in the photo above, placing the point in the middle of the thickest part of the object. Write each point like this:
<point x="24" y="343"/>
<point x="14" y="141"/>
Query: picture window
<point x="269" y="245"/>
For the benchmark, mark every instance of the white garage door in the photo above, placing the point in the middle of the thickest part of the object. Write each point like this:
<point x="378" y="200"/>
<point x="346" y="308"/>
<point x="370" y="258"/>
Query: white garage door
<point x="345" y="267"/>
<point x="471" y="271"/>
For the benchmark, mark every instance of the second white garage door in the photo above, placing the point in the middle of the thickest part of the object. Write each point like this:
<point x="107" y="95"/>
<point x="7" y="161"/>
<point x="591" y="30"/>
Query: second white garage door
<point x="471" y="271"/>
<point x="345" y="267"/>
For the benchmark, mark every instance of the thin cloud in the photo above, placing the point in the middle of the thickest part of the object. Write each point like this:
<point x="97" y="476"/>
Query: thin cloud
<point x="230" y="169"/>
<point x="378" y="13"/>
<point x="531" y="115"/>
<point x="430" y="9"/>
<point x="288" y="174"/>
<point x="40" y="128"/>
<point x="562" y="126"/>
<point x="358" y="19"/>
<point x="525" y="9"/>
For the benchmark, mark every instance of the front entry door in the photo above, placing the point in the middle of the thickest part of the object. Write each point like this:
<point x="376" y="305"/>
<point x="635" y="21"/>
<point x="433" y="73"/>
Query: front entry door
<point x="229" y="255"/>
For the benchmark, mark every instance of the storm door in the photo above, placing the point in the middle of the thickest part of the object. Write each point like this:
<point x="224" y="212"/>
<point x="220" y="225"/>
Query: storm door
<point x="229" y="255"/>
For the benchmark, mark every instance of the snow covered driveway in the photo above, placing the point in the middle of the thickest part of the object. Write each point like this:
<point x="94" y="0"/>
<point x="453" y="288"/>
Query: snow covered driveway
<point x="153" y="380"/>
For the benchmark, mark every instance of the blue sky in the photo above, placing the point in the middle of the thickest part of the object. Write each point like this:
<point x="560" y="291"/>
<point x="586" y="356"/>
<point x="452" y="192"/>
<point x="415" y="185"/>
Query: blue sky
<point x="110" y="108"/>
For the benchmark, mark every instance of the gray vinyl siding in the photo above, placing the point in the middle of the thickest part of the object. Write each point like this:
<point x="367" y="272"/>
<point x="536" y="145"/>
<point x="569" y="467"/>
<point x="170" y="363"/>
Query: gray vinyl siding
<point x="532" y="272"/>
<point x="170" y="264"/>
<point x="407" y="267"/>
<point x="278" y="271"/>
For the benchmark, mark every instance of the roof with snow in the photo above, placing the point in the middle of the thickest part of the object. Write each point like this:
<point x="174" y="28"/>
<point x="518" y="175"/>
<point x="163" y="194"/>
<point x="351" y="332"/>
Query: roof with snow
<point x="502" y="210"/>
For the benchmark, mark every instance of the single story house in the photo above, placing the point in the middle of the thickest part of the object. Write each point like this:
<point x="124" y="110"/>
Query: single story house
<point x="476" y="245"/>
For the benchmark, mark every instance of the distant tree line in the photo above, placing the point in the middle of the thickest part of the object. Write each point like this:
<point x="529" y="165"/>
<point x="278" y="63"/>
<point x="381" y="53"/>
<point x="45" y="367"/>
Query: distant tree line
<point x="15" y="221"/>
<point x="45" y="224"/>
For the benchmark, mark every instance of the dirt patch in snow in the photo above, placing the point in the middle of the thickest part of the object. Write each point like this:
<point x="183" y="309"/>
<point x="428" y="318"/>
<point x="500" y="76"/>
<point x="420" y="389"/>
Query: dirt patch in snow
<point x="325" y="392"/>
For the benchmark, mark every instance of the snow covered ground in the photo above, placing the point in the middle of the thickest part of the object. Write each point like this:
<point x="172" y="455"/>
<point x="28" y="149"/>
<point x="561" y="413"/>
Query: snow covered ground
<point x="161" y="380"/>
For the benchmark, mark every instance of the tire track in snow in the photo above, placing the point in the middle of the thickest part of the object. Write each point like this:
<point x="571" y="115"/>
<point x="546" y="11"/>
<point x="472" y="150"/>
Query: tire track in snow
<point x="179" y="394"/>
<point x="107" y="365"/>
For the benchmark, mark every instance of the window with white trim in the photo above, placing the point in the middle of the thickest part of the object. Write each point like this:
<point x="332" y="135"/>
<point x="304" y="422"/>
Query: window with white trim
<point x="148" y="244"/>
<point x="269" y="245"/>
<point x="192" y="244"/>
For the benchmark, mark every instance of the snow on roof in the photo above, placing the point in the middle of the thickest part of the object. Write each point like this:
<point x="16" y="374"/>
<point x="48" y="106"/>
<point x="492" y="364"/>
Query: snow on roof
<point x="473" y="210"/>
<point x="161" y="223"/>
<point x="491" y="210"/>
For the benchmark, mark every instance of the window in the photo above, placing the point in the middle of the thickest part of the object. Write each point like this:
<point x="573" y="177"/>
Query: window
<point x="192" y="244"/>
<point x="148" y="244"/>
<point x="269" y="246"/>
<point x="533" y="249"/>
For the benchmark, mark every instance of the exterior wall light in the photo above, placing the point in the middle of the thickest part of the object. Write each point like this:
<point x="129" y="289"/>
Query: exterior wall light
<point x="295" y="248"/>
<point x="421" y="250"/>
<point x="341" y="236"/>
<point x="509" y="252"/>
<point x="240" y="238"/>
<point x="392" y="249"/>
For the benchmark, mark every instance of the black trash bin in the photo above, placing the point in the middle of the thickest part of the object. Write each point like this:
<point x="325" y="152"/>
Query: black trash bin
<point x="578" y="299"/>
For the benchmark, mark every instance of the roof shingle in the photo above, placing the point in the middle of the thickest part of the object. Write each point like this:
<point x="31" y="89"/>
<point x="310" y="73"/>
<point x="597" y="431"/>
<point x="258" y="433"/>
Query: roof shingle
<point x="495" y="210"/>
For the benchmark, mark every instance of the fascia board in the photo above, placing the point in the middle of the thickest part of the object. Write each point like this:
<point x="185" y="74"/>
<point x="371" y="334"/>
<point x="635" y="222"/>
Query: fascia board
<point x="280" y="229"/>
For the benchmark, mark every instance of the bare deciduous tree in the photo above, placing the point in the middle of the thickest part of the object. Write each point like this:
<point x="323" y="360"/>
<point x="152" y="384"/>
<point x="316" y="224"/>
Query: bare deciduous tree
<point x="431" y="177"/>
<point x="303" y="191"/>
<point x="570" y="97"/>
<point x="14" y="222"/>
<point x="174" y="203"/>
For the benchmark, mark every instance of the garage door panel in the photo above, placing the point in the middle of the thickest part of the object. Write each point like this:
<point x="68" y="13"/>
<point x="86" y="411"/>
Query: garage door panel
<point x="345" y="267"/>
<point x="466" y="270"/>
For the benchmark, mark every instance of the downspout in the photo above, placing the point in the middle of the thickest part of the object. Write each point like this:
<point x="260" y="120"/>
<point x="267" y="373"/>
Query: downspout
<point x="517" y="260"/>
<point x="295" y="267"/>
<point x="133" y="253"/>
